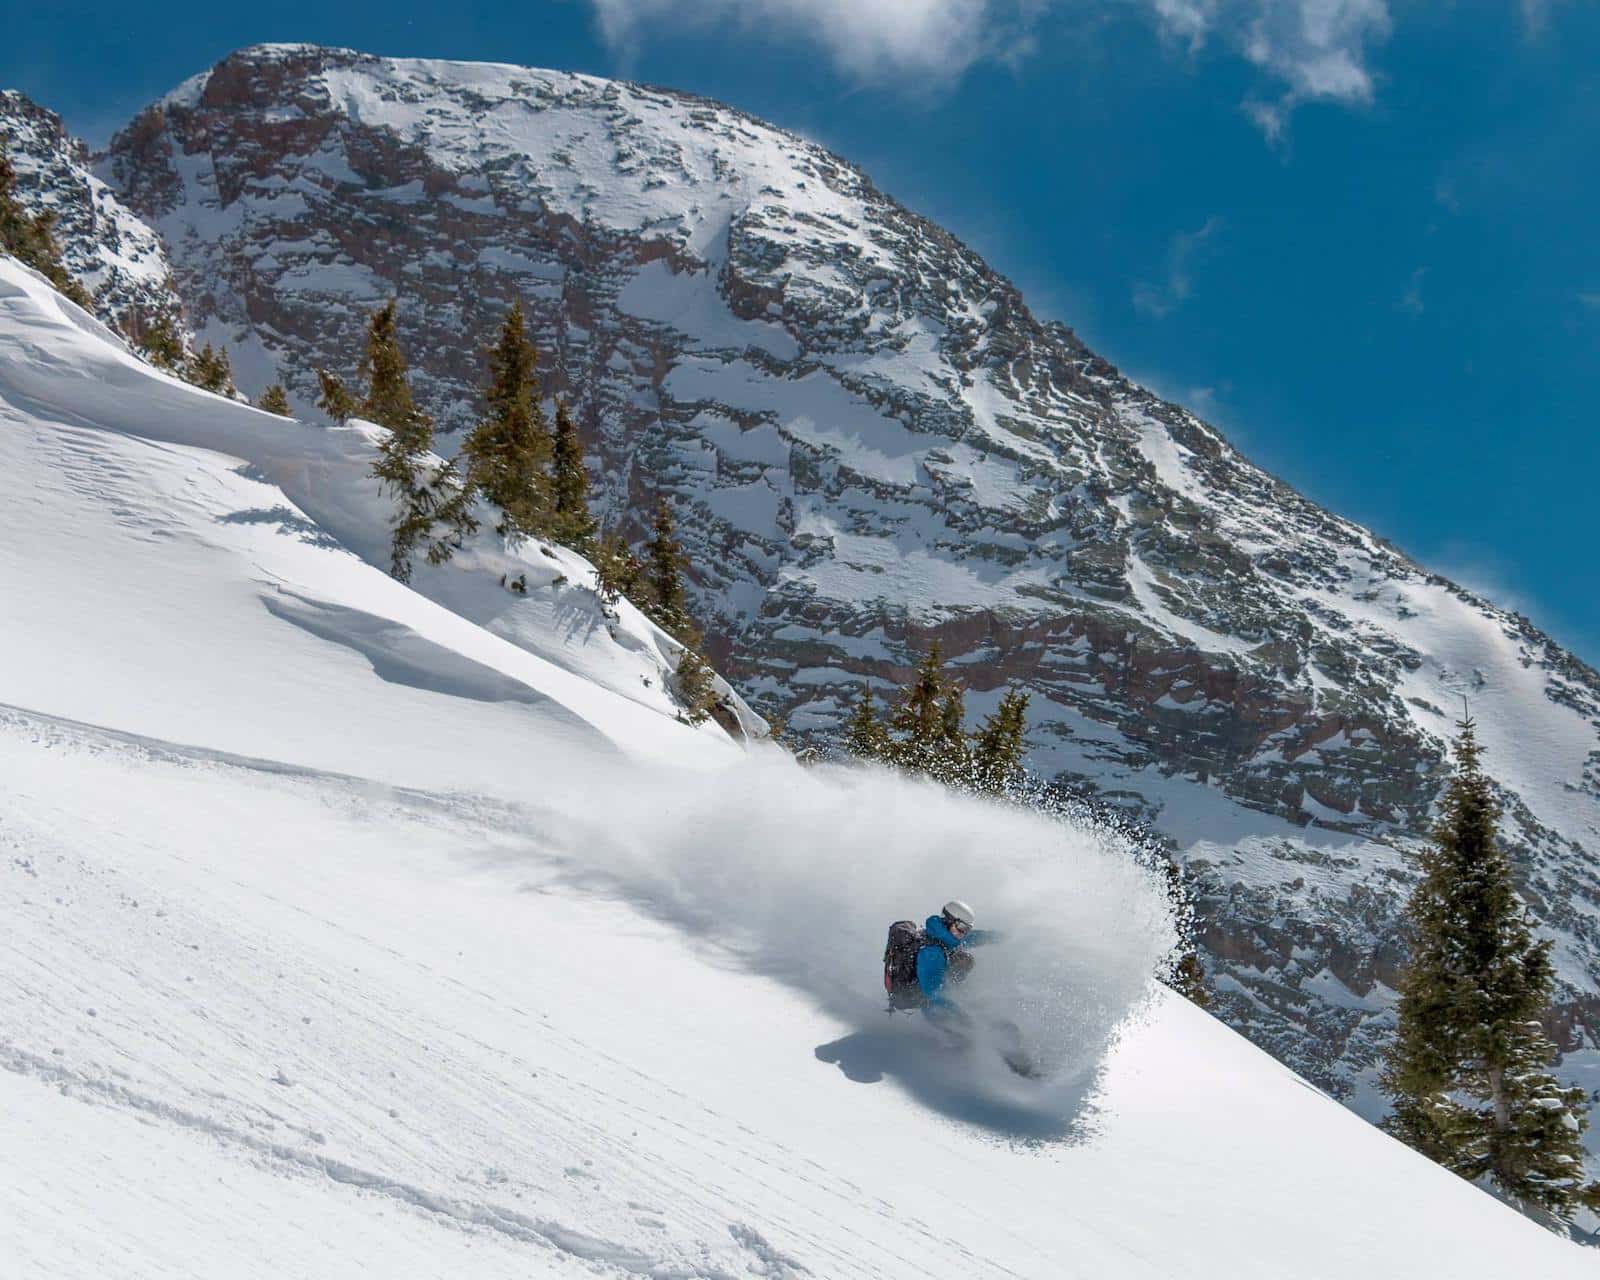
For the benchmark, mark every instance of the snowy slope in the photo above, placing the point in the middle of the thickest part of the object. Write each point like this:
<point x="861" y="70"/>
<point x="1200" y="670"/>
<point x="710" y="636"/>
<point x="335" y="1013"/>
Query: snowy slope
<point x="339" y="935"/>
<point x="871" y="443"/>
<point x="550" y="655"/>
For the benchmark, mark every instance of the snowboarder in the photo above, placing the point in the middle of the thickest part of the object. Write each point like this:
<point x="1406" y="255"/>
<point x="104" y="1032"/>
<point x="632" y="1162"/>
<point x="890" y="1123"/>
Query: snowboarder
<point x="941" y="960"/>
<point x="920" y="965"/>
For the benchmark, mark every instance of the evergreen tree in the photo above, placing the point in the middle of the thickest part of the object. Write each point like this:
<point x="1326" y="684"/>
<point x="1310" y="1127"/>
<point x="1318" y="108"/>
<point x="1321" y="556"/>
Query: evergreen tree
<point x="209" y="370"/>
<point x="434" y="508"/>
<point x="335" y="400"/>
<point x="952" y="760"/>
<point x="1468" y="1070"/>
<point x="918" y="717"/>
<point x="574" y="524"/>
<point x="866" y="738"/>
<point x="274" y="400"/>
<point x="666" y="601"/>
<point x="508" y="453"/>
<point x="158" y="339"/>
<point x="30" y="238"/>
<point x="617" y="570"/>
<point x="998" y="747"/>
<point x="696" y="686"/>
<point x="388" y="400"/>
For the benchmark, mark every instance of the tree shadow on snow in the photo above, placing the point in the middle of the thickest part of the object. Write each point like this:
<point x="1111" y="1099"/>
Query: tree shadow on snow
<point x="969" y="1085"/>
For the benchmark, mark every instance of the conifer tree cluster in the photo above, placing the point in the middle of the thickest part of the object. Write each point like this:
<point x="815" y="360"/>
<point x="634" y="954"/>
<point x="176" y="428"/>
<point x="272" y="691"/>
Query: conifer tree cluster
<point x="1468" y="1072"/>
<point x="209" y="370"/>
<point x="925" y="732"/>
<point x="433" y="504"/>
<point x="274" y="400"/>
<point x="157" y="337"/>
<point x="30" y="238"/>
<point x="535" y="478"/>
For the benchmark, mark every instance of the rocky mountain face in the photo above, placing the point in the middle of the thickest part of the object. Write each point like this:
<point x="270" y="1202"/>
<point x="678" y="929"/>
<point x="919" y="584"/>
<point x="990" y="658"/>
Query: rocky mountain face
<point x="119" y="259"/>
<point x="872" y="443"/>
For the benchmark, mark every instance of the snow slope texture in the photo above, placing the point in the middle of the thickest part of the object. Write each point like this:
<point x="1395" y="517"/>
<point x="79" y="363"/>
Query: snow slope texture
<point x="343" y="935"/>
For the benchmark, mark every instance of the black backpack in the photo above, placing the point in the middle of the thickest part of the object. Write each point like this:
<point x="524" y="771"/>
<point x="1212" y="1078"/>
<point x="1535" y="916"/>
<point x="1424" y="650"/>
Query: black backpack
<point x="906" y="938"/>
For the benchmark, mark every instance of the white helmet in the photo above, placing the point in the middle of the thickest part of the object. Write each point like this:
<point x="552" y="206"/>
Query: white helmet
<point x="956" y="910"/>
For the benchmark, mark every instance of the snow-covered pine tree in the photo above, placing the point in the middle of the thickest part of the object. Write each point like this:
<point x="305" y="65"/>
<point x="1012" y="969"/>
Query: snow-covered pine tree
<point x="335" y="400"/>
<point x="1468" y="1071"/>
<point x="30" y="238"/>
<point x="695" y="686"/>
<point x="274" y="400"/>
<point x="866" y="738"/>
<point x="508" y="454"/>
<point x="999" y="745"/>
<point x="918" y="716"/>
<point x="665" y="598"/>
<point x="952" y="756"/>
<point x="617" y="570"/>
<point x="574" y="524"/>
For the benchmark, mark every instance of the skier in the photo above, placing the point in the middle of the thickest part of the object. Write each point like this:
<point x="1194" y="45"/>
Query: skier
<point x="941" y="960"/>
<point x="920" y="965"/>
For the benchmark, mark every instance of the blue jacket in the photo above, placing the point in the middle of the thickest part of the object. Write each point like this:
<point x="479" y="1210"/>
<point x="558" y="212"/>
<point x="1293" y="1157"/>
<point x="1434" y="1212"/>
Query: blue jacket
<point x="934" y="957"/>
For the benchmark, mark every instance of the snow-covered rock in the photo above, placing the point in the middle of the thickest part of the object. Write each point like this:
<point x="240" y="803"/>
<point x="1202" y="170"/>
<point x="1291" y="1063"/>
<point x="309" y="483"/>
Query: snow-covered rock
<point x="120" y="261"/>
<point x="872" y="442"/>
<point x="340" y="934"/>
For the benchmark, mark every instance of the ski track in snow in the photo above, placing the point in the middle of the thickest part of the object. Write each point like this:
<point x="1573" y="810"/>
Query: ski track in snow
<point x="136" y="928"/>
<point x="320" y="962"/>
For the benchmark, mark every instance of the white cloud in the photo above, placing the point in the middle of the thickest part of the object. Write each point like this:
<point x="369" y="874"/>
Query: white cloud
<point x="1160" y="300"/>
<point x="865" y="38"/>
<point x="1315" y="49"/>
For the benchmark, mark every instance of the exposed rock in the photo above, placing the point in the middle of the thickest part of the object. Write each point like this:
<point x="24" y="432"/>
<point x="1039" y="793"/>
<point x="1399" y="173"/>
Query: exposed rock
<point x="872" y="443"/>
<point x="119" y="260"/>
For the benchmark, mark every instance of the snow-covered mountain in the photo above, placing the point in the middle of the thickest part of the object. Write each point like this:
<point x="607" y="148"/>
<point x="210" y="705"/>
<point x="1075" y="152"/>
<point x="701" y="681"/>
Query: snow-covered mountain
<point x="341" y="933"/>
<point x="119" y="260"/>
<point x="872" y="442"/>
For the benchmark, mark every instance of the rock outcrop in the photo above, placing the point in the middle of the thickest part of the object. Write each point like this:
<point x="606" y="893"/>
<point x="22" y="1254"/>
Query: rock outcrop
<point x="871" y="442"/>
<point x="119" y="260"/>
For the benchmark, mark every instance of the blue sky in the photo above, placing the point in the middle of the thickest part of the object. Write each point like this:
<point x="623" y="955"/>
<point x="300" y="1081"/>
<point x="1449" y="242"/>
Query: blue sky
<point x="1358" y="235"/>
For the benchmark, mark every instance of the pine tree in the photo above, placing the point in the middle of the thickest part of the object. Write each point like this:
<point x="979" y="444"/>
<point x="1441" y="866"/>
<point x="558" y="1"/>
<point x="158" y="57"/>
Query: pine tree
<point x="998" y="747"/>
<point x="274" y="400"/>
<point x="574" y="524"/>
<point x="666" y="600"/>
<point x="952" y="759"/>
<point x="617" y="570"/>
<point x="866" y="738"/>
<point x="1468" y="1071"/>
<point x="335" y="400"/>
<point x="30" y="238"/>
<point x="696" y="686"/>
<point x="208" y="369"/>
<point x="918" y="716"/>
<point x="433" y="508"/>
<point x="158" y="339"/>
<point x="508" y="453"/>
